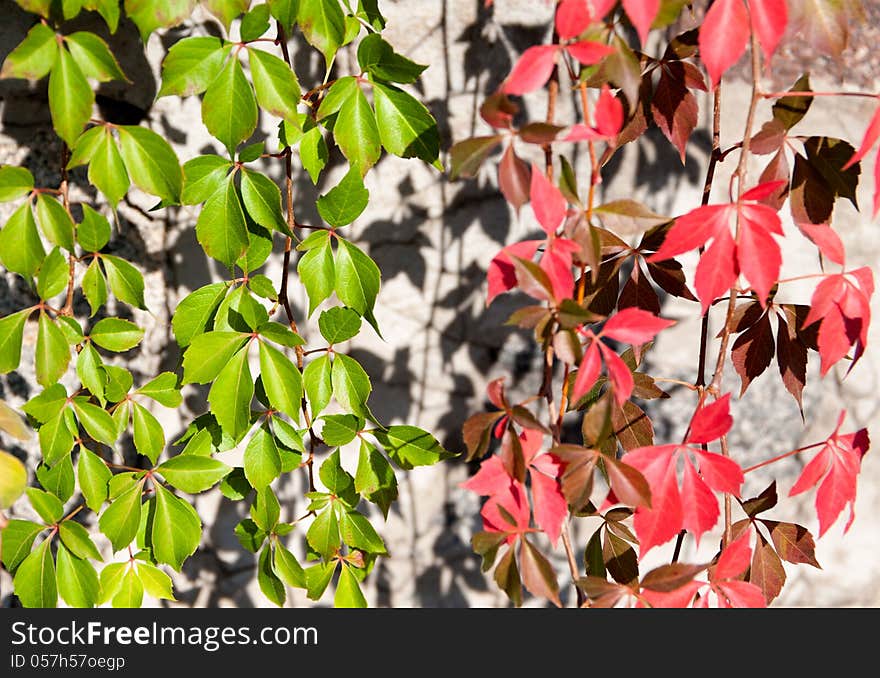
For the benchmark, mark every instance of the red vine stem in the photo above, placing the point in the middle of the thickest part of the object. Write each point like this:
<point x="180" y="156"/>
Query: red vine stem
<point x="779" y="95"/>
<point x="781" y="457"/>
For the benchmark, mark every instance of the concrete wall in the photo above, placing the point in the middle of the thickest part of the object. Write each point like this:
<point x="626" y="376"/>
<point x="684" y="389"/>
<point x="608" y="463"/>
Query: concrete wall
<point x="433" y="240"/>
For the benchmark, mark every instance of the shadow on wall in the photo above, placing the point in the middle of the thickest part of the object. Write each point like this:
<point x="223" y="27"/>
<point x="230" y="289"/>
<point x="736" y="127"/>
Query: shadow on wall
<point x="401" y="246"/>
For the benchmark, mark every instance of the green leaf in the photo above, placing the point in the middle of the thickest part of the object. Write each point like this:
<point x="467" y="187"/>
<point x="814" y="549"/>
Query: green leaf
<point x="339" y="324"/>
<point x="229" y="109"/>
<point x="47" y="506"/>
<point x="262" y="463"/>
<point x="252" y="152"/>
<point x="323" y="25"/>
<point x="149" y="438"/>
<point x="357" y="278"/>
<point x="55" y="221"/>
<point x="192" y="473"/>
<point x="21" y="249"/>
<point x="126" y="282"/>
<point x="280" y="334"/>
<point x="151" y="162"/>
<point x="262" y="286"/>
<point x="95" y="421"/>
<point x="119" y="522"/>
<point x="318" y="384"/>
<point x="226" y="10"/>
<point x="340" y="429"/>
<point x="193" y="313"/>
<point x="163" y="389"/>
<point x="119" y="382"/>
<point x="58" y="479"/>
<point x="351" y="385"/>
<point x="337" y="480"/>
<point x="262" y="200"/>
<point x="282" y="381"/>
<point x="287" y="567"/>
<point x="317" y="272"/>
<point x="56" y="438"/>
<point x="73" y="331"/>
<point x="208" y="354"/>
<point x="235" y="485"/>
<point x="271" y="586"/>
<point x="94" y="286"/>
<point x="108" y="9"/>
<point x="107" y="169"/>
<point x="348" y="591"/>
<point x="86" y="146"/>
<point x="266" y="510"/>
<point x="76" y="538"/>
<point x="323" y="533"/>
<point x="354" y="127"/>
<point x="203" y="176"/>
<point x="90" y="370"/>
<point x="34" y="57"/>
<point x="94" y="230"/>
<point x="255" y="23"/>
<point x="284" y="11"/>
<point x="148" y="15"/>
<point x="93" y="476"/>
<point x="359" y="533"/>
<point x="318" y="578"/>
<point x="368" y="10"/>
<point x="52" y="353"/>
<point x="53" y="274"/>
<point x="70" y="98"/>
<point x="406" y="127"/>
<point x="116" y="334"/>
<point x="375" y="478"/>
<point x="287" y="436"/>
<point x="346" y="201"/>
<point x="468" y="155"/>
<point x="46" y="404"/>
<point x="15" y="182"/>
<point x="34" y="581"/>
<point x="313" y="152"/>
<point x="130" y="593"/>
<point x="17" y="538"/>
<point x="379" y="59"/>
<point x="249" y="535"/>
<point x="177" y="529"/>
<point x="110" y="581"/>
<point x="221" y="228"/>
<point x="156" y="583"/>
<point x="410" y="446"/>
<point x="275" y="84"/>
<point x="231" y="394"/>
<point x="94" y="58"/>
<point x="11" y="333"/>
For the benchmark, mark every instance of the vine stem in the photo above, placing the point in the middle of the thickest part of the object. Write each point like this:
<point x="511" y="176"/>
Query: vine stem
<point x="779" y="95"/>
<point x="740" y="174"/>
<point x="67" y="309"/>
<point x="781" y="457"/>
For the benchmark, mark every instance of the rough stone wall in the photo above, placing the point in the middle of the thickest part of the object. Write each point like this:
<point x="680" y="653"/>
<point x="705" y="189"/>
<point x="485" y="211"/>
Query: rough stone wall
<point x="433" y="240"/>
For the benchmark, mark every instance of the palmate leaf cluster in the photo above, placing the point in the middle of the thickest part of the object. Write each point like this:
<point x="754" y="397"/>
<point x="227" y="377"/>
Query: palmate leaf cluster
<point x="91" y="530"/>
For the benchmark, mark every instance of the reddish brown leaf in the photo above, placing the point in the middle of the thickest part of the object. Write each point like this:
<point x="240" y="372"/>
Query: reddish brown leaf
<point x="668" y="578"/>
<point x="753" y="351"/>
<point x="627" y="483"/>
<point x="596" y="426"/>
<point x="777" y="169"/>
<point x="598" y="588"/>
<point x="620" y="560"/>
<point x="486" y="544"/>
<point x="538" y="575"/>
<point x="539" y="133"/>
<point x="476" y="432"/>
<point x="669" y="276"/>
<point x="527" y="420"/>
<point x="468" y="155"/>
<point x="763" y="502"/>
<point x="512" y="456"/>
<point x="673" y="107"/>
<point x="812" y="200"/>
<point x="767" y="572"/>
<point x="794" y="543"/>
<point x="645" y="387"/>
<point x="507" y="577"/>
<point x="638" y="292"/>
<point x="594" y="560"/>
<point x="498" y="111"/>
<point x="577" y="478"/>
<point x="769" y="138"/>
<point x="513" y="178"/>
<point x="830" y="158"/>
<point x="632" y="427"/>
<point x="791" y="357"/>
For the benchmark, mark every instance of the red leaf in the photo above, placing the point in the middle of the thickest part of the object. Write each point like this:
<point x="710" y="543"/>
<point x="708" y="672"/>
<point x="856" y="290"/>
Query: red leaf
<point x="717" y="270"/>
<point x="572" y="18"/>
<point x="762" y="191"/>
<point x="513" y="178"/>
<point x="766" y="571"/>
<point x="734" y="560"/>
<point x="491" y="479"/>
<point x="538" y="575"/>
<point x="741" y="594"/>
<point x="511" y="503"/>
<point x="582" y="132"/>
<point x="557" y="263"/>
<point x="628" y="484"/>
<point x="723" y="37"/>
<point x="550" y="505"/>
<point x="532" y="70"/>
<point x="872" y="133"/>
<point x="502" y="274"/>
<point x="609" y="114"/>
<point x="759" y="257"/>
<point x="837" y="466"/>
<point x="674" y="107"/>
<point x="700" y="505"/>
<point x="588" y="52"/>
<point x="587" y="373"/>
<point x="720" y="473"/>
<point x="826" y="239"/>
<point x="694" y="229"/>
<point x="619" y="374"/>
<point x="634" y="326"/>
<point x="662" y="521"/>
<point x="769" y="18"/>
<point x="547" y="201"/>
<point x="642" y="14"/>
<point x="877" y="185"/>
<point x="681" y="597"/>
<point x="834" y="339"/>
<point x="711" y="422"/>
